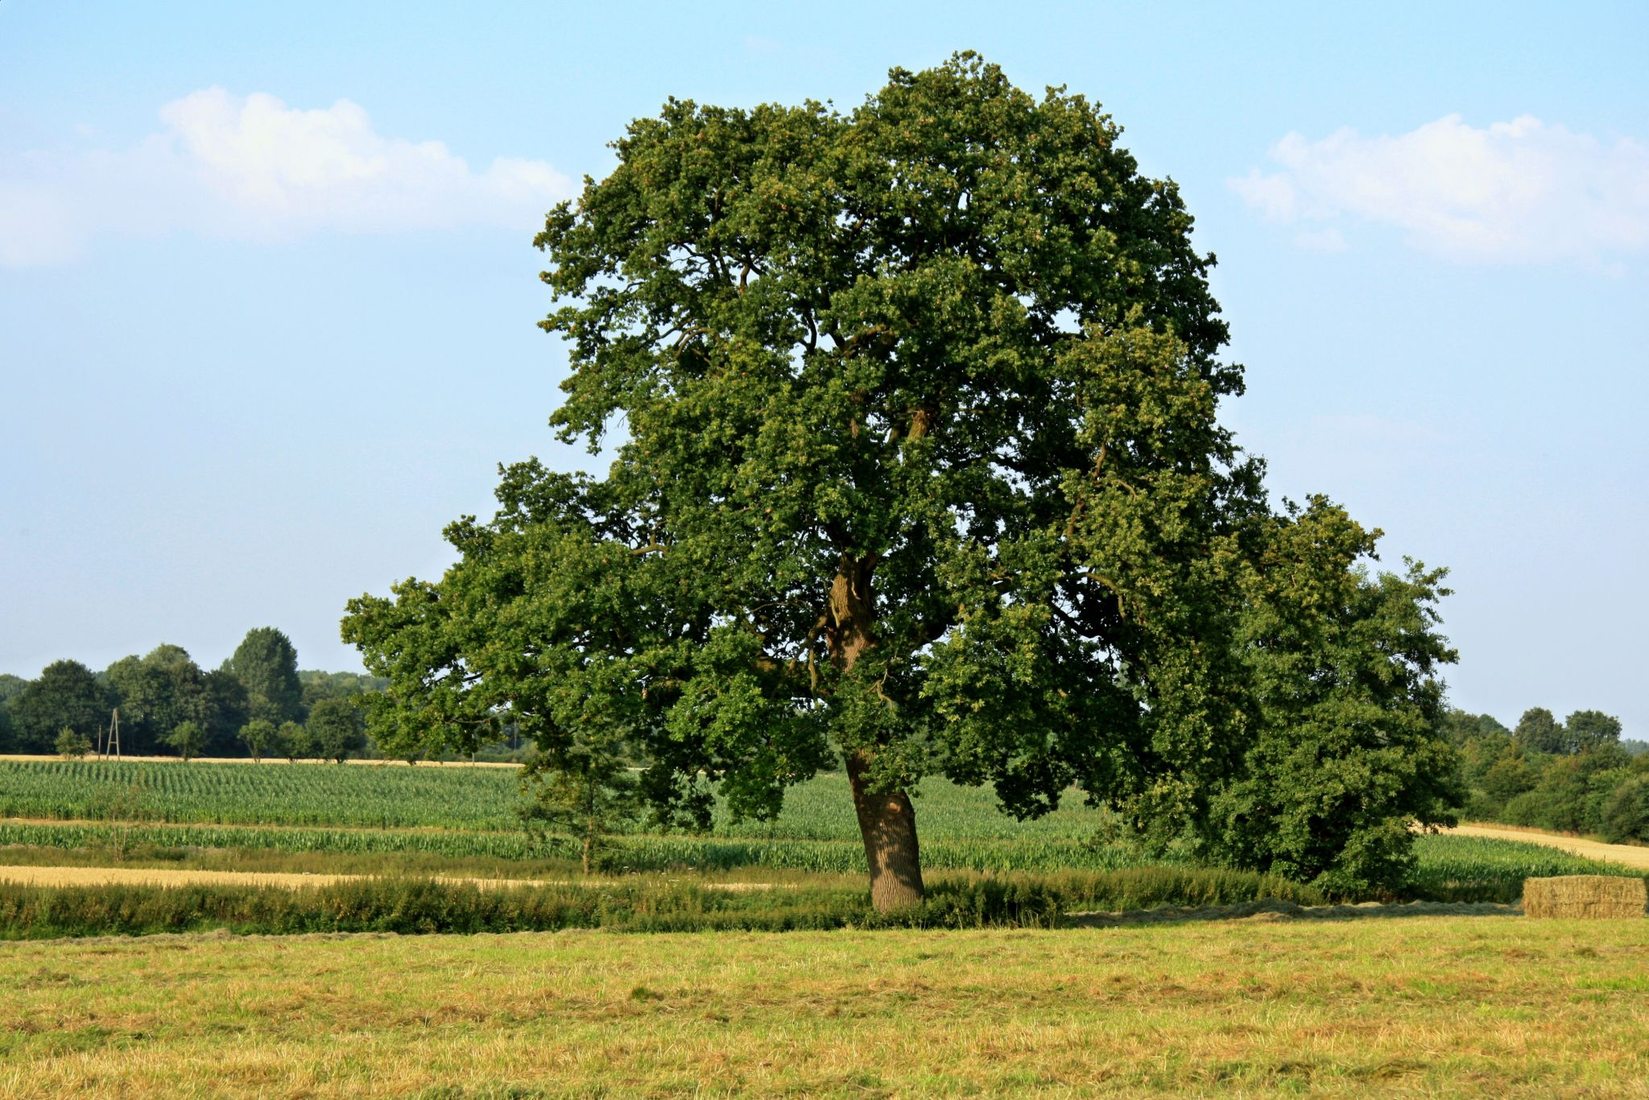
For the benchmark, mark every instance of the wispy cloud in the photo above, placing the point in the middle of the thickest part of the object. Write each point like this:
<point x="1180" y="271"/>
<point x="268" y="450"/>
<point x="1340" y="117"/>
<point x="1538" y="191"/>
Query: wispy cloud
<point x="254" y="168"/>
<point x="1523" y="191"/>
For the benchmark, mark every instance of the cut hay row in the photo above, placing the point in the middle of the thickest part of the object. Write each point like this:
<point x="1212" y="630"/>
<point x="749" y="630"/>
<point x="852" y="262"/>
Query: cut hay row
<point x="1597" y="897"/>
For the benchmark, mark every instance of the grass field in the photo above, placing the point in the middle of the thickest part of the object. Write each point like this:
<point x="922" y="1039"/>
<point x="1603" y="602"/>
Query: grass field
<point x="1424" y="1006"/>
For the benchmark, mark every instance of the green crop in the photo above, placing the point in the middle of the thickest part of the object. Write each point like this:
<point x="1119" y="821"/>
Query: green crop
<point x="469" y="813"/>
<point x="273" y="793"/>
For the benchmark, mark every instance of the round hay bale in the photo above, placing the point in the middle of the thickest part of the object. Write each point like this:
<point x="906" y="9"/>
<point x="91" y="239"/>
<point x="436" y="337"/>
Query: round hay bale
<point x="1602" y="897"/>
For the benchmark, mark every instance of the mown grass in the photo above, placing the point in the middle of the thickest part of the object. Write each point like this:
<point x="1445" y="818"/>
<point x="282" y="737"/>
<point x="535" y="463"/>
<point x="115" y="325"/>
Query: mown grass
<point x="1426" y="1007"/>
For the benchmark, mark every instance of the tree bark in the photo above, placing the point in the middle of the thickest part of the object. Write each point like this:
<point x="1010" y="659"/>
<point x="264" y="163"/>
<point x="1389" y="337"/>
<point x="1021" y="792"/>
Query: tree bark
<point x="887" y="822"/>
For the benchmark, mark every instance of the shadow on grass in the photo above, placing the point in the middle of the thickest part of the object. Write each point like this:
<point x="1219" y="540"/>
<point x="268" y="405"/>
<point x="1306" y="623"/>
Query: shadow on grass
<point x="1268" y="911"/>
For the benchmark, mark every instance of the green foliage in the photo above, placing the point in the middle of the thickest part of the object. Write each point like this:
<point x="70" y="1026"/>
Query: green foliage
<point x="922" y="467"/>
<point x="1538" y="731"/>
<point x="65" y="695"/>
<point x="1587" y="781"/>
<point x="155" y="693"/>
<point x="291" y="741"/>
<point x="188" y="738"/>
<point x="335" y="730"/>
<point x="1571" y="791"/>
<point x="1624" y="813"/>
<point x="1587" y="730"/>
<point x="267" y="664"/>
<point x="228" y="707"/>
<point x="260" y="738"/>
<point x="586" y="791"/>
<point x="10" y="687"/>
<point x="70" y="744"/>
<point x="1583" y="731"/>
<point x="318" y="685"/>
<point x="1462" y="727"/>
<point x="1347" y="750"/>
<point x="165" y="688"/>
<point x="1507" y="777"/>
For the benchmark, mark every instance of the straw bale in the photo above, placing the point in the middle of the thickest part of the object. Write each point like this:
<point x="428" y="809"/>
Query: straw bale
<point x="1585" y="896"/>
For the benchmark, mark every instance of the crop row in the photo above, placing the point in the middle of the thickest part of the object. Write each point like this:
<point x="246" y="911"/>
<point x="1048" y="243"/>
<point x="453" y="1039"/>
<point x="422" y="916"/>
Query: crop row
<point x="273" y="793"/>
<point x="452" y="798"/>
<point x="1449" y="868"/>
<point x="627" y="853"/>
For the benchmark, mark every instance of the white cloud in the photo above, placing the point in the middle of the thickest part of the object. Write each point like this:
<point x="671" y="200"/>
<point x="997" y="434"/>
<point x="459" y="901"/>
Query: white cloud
<point x="253" y="168"/>
<point x="1523" y="191"/>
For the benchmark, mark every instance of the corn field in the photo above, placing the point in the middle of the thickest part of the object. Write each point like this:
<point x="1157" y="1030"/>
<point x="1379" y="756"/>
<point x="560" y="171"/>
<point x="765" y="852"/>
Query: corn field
<point x="260" y="794"/>
<point x="469" y="813"/>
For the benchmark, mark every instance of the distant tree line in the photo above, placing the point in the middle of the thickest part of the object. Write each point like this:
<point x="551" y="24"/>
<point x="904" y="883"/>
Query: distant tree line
<point x="258" y="703"/>
<point x="1577" y="775"/>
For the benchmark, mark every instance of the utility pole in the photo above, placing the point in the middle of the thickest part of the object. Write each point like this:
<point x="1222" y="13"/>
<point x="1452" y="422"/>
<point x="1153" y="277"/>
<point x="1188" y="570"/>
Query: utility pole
<point x="112" y="743"/>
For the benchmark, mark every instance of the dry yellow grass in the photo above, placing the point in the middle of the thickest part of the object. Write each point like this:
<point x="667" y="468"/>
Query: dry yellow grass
<point x="131" y="876"/>
<point x="1423" y="1006"/>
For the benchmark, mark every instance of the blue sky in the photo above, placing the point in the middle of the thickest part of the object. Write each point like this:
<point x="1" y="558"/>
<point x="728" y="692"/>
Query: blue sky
<point x="267" y="293"/>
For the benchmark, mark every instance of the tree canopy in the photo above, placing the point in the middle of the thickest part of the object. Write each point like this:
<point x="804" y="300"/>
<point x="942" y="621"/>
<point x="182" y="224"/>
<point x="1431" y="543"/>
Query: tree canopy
<point x="335" y="730"/>
<point x="921" y="469"/>
<point x="66" y="696"/>
<point x="267" y="664"/>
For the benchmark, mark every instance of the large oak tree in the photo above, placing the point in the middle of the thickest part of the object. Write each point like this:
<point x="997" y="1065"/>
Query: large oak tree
<point x="919" y="465"/>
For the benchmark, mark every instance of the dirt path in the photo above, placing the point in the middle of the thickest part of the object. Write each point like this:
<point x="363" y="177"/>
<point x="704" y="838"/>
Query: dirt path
<point x="1629" y="854"/>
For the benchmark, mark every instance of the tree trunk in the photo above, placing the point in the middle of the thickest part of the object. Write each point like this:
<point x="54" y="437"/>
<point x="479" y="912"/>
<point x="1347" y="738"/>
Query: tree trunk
<point x="887" y="822"/>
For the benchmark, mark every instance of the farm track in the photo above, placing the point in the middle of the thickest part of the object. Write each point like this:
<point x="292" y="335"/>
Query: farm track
<point x="1631" y="855"/>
